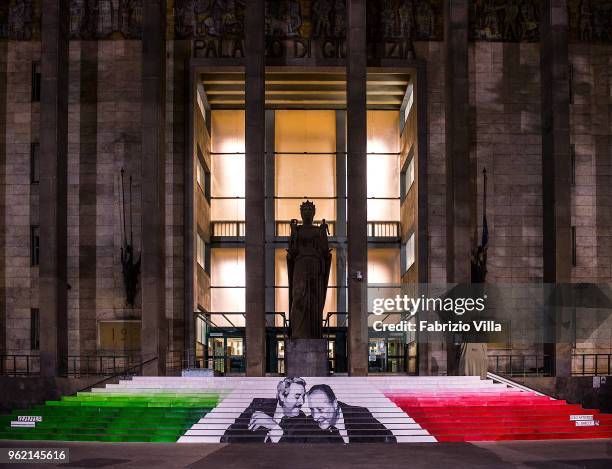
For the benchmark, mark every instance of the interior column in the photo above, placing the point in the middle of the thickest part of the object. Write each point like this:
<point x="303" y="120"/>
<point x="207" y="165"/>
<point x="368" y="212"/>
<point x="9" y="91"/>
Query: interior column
<point x="255" y="187"/>
<point x="356" y="68"/>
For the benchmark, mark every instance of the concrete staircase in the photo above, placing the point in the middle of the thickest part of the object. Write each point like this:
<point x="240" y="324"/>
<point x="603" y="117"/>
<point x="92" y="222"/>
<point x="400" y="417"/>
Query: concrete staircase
<point x="412" y="409"/>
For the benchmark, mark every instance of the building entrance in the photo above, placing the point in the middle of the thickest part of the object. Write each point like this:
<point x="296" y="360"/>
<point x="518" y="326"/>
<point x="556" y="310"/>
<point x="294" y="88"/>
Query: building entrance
<point x="391" y="355"/>
<point x="306" y="158"/>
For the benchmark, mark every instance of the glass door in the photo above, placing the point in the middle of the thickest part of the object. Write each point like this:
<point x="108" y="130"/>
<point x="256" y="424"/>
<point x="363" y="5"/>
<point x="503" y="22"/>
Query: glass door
<point x="377" y="355"/>
<point x="280" y="356"/>
<point x="331" y="353"/>
<point x="235" y="354"/>
<point x="216" y="354"/>
<point x="396" y="361"/>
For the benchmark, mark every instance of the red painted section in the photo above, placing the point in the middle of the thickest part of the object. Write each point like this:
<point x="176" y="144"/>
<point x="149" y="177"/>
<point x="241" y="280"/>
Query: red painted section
<point x="488" y="416"/>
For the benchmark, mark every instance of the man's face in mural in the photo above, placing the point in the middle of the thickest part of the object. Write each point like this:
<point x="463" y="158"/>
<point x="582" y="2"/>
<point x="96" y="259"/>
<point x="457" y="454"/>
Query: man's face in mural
<point x="292" y="399"/>
<point x="324" y="411"/>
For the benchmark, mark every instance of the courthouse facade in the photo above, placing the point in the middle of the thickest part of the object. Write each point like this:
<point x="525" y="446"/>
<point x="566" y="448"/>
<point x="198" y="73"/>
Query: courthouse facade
<point x="153" y="153"/>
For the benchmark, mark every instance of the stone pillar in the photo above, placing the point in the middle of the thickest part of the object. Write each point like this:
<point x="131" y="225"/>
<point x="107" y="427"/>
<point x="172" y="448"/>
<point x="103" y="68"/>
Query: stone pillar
<point x="341" y="352"/>
<point x="340" y="229"/>
<point x="460" y="171"/>
<point x="460" y="177"/>
<point x="356" y="64"/>
<point x="556" y="166"/>
<point x="53" y="188"/>
<point x="190" y="286"/>
<point x="88" y="156"/>
<point x="270" y="215"/>
<point x="3" y="77"/>
<point x="255" y="187"/>
<point x="154" y="322"/>
<point x="183" y="323"/>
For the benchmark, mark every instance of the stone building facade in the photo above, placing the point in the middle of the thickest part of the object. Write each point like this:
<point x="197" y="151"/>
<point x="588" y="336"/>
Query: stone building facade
<point x="93" y="91"/>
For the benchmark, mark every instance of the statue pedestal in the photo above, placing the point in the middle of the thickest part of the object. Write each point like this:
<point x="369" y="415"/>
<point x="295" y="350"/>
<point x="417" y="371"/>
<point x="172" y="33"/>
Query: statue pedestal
<point x="306" y="357"/>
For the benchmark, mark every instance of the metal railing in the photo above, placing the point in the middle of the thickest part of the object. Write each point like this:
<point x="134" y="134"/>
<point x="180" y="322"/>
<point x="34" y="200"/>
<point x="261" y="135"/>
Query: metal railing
<point x="236" y="228"/>
<point x="98" y="365"/>
<point x="341" y="319"/>
<point x="283" y="227"/>
<point x="228" y="229"/>
<point x="19" y="365"/>
<point x="134" y="370"/>
<point x="591" y="364"/>
<point x="384" y="229"/>
<point x="521" y="364"/>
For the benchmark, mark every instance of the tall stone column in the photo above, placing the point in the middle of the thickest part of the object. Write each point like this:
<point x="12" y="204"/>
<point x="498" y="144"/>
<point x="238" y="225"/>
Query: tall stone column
<point x="357" y="258"/>
<point x="341" y="365"/>
<point x="154" y="322"/>
<point x="460" y="171"/>
<point x="255" y="187"/>
<point x="53" y="187"/>
<point x="88" y="194"/>
<point x="556" y="170"/>
<point x="270" y="222"/>
<point x="3" y="83"/>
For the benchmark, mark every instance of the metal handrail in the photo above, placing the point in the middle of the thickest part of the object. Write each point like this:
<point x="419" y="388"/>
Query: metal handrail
<point x="541" y="362"/>
<point x="92" y="365"/>
<point x="606" y="359"/>
<point x="117" y="375"/>
<point x="17" y="359"/>
<point x="514" y="384"/>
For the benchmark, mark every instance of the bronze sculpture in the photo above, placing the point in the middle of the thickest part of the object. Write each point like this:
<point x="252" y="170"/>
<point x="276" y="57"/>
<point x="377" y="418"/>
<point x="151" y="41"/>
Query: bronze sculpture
<point x="308" y="264"/>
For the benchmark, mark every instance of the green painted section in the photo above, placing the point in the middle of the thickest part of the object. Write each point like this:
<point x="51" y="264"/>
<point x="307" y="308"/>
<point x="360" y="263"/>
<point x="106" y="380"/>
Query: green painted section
<point x="147" y="417"/>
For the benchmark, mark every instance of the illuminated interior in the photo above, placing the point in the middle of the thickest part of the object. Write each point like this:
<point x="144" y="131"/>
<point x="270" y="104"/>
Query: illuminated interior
<point x="383" y="166"/>
<point x="227" y="171"/>
<point x="227" y="276"/>
<point x="384" y="266"/>
<point x="299" y="175"/>
<point x="308" y="161"/>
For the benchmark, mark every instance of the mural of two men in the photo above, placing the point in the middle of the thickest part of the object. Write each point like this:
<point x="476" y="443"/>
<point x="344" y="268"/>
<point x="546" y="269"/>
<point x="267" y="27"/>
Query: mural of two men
<point x="282" y="420"/>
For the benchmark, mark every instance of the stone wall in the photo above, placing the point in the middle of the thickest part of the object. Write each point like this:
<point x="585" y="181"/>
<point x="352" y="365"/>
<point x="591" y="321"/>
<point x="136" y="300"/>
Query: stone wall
<point x="20" y="195"/>
<point x="433" y="54"/>
<point x="176" y="88"/>
<point x="118" y="146"/>
<point x="506" y="139"/>
<point x="591" y="138"/>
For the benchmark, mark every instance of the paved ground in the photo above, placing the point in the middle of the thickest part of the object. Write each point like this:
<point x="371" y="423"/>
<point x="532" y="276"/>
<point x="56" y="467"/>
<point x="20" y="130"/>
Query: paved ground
<point x="588" y="454"/>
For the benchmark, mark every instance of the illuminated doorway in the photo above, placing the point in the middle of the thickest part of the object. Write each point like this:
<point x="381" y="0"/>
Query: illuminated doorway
<point x="305" y="159"/>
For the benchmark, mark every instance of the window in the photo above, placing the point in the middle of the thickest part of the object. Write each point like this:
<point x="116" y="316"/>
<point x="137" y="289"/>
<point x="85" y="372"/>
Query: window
<point x="34" y="162"/>
<point x="34" y="329"/>
<point x="36" y="82"/>
<point x="407" y="174"/>
<point x="410" y="255"/>
<point x="573" y="164"/>
<point x="570" y="79"/>
<point x="200" y="175"/>
<point x="35" y="244"/>
<point x="574" y="246"/>
<point x="201" y="252"/>
<point x="203" y="175"/>
<point x="200" y="328"/>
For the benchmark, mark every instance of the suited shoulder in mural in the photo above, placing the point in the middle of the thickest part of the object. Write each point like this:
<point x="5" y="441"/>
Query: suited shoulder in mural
<point x="272" y="420"/>
<point x="324" y="418"/>
<point x="343" y="423"/>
